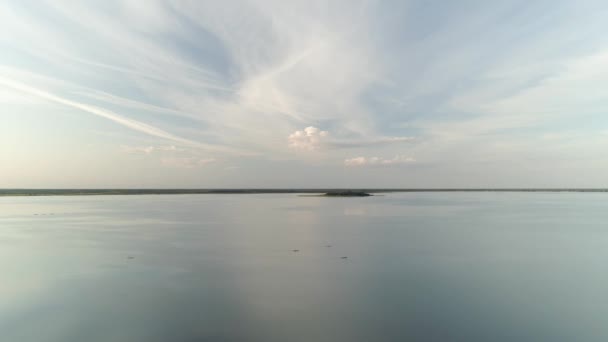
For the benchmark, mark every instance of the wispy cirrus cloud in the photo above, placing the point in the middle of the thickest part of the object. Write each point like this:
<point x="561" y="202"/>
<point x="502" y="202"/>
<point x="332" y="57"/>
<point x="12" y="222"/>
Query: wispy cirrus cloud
<point x="280" y="59"/>
<point x="378" y="161"/>
<point x="315" y="82"/>
<point x="150" y="149"/>
<point x="124" y="121"/>
<point x="371" y="142"/>
<point x="171" y="156"/>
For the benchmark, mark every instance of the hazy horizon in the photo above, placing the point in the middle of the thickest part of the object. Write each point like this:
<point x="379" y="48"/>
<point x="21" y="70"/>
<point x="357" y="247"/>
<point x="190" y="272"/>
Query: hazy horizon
<point x="303" y="94"/>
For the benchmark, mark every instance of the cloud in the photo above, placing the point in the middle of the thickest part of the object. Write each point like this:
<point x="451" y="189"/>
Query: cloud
<point x="309" y="139"/>
<point x="240" y="76"/>
<point x="313" y="139"/>
<point x="150" y="149"/>
<point x="170" y="156"/>
<point x="127" y="122"/>
<point x="187" y="162"/>
<point x="370" y="142"/>
<point x="378" y="161"/>
<point x="235" y="80"/>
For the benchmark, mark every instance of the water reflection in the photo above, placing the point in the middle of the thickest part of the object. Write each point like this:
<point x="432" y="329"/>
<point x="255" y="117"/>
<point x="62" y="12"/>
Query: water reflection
<point x="420" y="267"/>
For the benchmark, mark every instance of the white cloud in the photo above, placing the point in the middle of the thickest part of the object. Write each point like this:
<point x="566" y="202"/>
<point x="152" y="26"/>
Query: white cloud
<point x="313" y="139"/>
<point x="357" y="161"/>
<point x="378" y="161"/>
<point x="309" y="139"/>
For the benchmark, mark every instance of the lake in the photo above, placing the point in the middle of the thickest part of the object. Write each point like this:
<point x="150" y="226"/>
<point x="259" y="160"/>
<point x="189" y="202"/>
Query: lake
<point x="282" y="267"/>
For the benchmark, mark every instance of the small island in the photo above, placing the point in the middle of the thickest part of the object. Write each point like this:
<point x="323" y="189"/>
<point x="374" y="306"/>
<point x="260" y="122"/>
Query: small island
<point x="347" y="194"/>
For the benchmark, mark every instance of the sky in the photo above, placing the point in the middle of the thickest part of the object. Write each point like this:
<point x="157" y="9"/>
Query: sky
<point x="274" y="93"/>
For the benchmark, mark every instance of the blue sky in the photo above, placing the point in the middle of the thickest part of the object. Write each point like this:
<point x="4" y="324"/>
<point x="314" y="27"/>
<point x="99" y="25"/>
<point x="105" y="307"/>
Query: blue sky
<point x="303" y="93"/>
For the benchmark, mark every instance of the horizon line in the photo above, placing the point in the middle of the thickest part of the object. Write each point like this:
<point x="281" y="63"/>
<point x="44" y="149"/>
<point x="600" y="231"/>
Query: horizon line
<point x="7" y="192"/>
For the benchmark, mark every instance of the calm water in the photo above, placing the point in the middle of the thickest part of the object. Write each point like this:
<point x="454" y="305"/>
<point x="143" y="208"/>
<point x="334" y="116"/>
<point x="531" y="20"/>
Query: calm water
<point x="420" y="267"/>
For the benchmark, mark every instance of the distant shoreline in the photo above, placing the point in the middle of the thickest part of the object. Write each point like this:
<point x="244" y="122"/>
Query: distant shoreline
<point x="98" y="192"/>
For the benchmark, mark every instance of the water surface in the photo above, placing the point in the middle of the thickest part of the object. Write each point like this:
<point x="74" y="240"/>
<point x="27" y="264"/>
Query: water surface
<point x="419" y="267"/>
